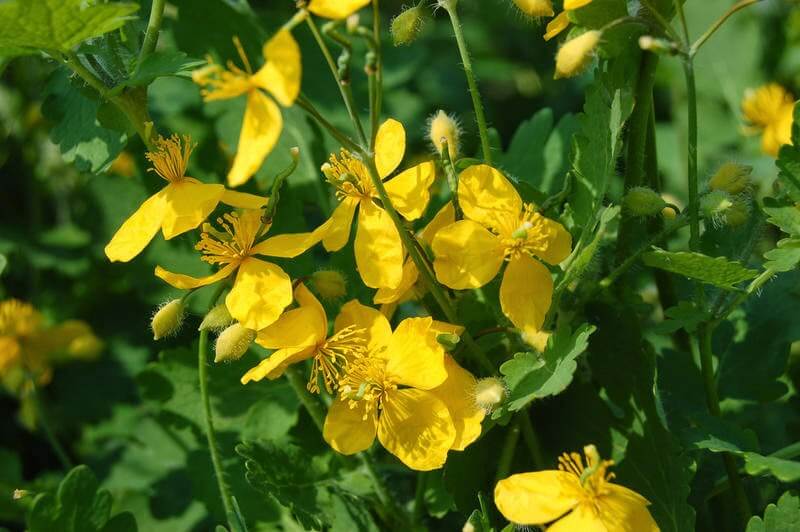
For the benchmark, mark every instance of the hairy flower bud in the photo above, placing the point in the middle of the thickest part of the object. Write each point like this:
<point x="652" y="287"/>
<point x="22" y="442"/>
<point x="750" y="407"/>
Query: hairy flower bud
<point x="407" y="26"/>
<point x="535" y="8"/>
<point x="714" y="205"/>
<point x="643" y="201"/>
<point x="217" y="319"/>
<point x="233" y="342"/>
<point x="489" y="393"/>
<point x="732" y="178"/>
<point x="329" y="284"/>
<point x="444" y="128"/>
<point x="738" y="214"/>
<point x="575" y="54"/>
<point x="168" y="319"/>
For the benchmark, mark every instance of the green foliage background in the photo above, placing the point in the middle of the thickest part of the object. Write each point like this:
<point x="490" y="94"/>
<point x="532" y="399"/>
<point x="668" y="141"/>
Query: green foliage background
<point x="133" y="416"/>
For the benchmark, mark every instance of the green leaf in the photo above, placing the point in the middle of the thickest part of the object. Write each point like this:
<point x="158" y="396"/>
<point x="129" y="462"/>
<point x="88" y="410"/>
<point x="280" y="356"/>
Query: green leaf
<point x="78" y="506"/>
<point x="684" y="315"/>
<point x="783" y="517"/>
<point x="588" y="254"/>
<point x="783" y="470"/>
<point x="27" y="26"/>
<point x="717" y="271"/>
<point x="3" y="263"/>
<point x="784" y="215"/>
<point x="785" y="257"/>
<point x="160" y="64"/>
<point x="788" y="162"/>
<point x="77" y="131"/>
<point x="530" y="376"/>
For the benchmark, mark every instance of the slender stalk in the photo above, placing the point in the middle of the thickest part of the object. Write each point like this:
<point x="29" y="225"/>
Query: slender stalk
<point x="531" y="440"/>
<point x="419" y="498"/>
<point x="509" y="446"/>
<point x="44" y="424"/>
<point x="452" y="178"/>
<point x="719" y="22"/>
<point x="376" y="79"/>
<point x="477" y="103"/>
<point x="343" y="139"/>
<point x="753" y="287"/>
<point x="694" y="195"/>
<point x="211" y="435"/>
<point x="153" y="28"/>
<point x="314" y="408"/>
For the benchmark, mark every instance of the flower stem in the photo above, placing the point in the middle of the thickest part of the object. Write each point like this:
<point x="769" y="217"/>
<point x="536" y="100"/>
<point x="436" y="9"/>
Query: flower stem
<point x="44" y="423"/>
<point x="153" y="29"/>
<point x="376" y="77"/>
<point x="452" y="178"/>
<point x="213" y="447"/>
<point x="509" y="446"/>
<point x="477" y="103"/>
<point x="419" y="498"/>
<point x="531" y="440"/>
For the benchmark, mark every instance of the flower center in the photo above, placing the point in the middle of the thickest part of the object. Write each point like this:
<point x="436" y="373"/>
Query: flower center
<point x="365" y="381"/>
<point x="527" y="235"/>
<point x="220" y="83"/>
<point x="348" y="176"/>
<point x="171" y="157"/>
<point x="334" y="354"/>
<point x="234" y="242"/>
<point x="594" y="476"/>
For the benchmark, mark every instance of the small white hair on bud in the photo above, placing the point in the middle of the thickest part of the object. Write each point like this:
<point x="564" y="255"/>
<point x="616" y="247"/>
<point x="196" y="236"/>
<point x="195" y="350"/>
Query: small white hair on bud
<point x="489" y="392"/>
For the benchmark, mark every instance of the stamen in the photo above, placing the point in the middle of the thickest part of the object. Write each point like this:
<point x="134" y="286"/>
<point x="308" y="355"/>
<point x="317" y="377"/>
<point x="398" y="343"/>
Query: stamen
<point x="171" y="157"/>
<point x="240" y="49"/>
<point x="527" y="235"/>
<point x="347" y="175"/>
<point x="334" y="354"/>
<point x="240" y="232"/>
<point x="365" y="381"/>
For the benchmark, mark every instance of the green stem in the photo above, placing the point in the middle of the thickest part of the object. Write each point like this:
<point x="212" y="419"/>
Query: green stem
<point x="452" y="178"/>
<point x="477" y="103"/>
<point x="694" y="194"/>
<point x="753" y="287"/>
<point x="507" y="452"/>
<point x="314" y="408"/>
<point x="44" y="423"/>
<point x="211" y="435"/>
<point x="377" y="99"/>
<point x="531" y="440"/>
<point x="153" y="28"/>
<point x="419" y="498"/>
<point x="343" y="139"/>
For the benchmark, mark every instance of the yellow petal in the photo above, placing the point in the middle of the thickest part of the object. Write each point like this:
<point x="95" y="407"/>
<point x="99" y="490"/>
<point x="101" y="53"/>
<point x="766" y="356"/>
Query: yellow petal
<point x="187" y="282"/>
<point x="390" y="146"/>
<point x="306" y="299"/>
<point x="569" y="5"/>
<point x="526" y="292"/>
<point x="345" y="428"/>
<point x="259" y="294"/>
<point x="458" y="393"/>
<point x="403" y="290"/>
<point x="336" y="9"/>
<point x="625" y="510"/>
<point x="281" y="74"/>
<point x="287" y="246"/>
<point x="138" y="230"/>
<point x="487" y="197"/>
<point x="243" y="200"/>
<point x="443" y="218"/>
<point x="338" y="232"/>
<point x="378" y="248"/>
<point x="188" y="205"/>
<point x="442" y="327"/>
<point x="556" y="26"/>
<point x="559" y="243"/>
<point x="409" y="190"/>
<point x="273" y="366"/>
<point x="415" y="426"/>
<point x="377" y="331"/>
<point x="467" y="255"/>
<point x="414" y="357"/>
<point x="535" y="8"/>
<point x="583" y="519"/>
<point x="304" y="326"/>
<point x="261" y="128"/>
<point x="537" y="498"/>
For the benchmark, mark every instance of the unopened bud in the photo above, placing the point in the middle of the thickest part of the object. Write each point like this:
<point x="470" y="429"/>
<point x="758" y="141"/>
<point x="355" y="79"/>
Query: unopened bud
<point x="535" y="8"/>
<point x="643" y="201"/>
<point x="657" y="45"/>
<point x="329" y="284"/>
<point x="732" y="178"/>
<point x="576" y="53"/>
<point x="448" y="340"/>
<point x="352" y="22"/>
<point x="19" y="494"/>
<point x="738" y="214"/>
<point x="714" y="204"/>
<point x="217" y="319"/>
<point x="668" y="213"/>
<point x="489" y="393"/>
<point x="468" y="527"/>
<point x="233" y="342"/>
<point x="168" y="319"/>
<point x="444" y="128"/>
<point x="407" y="26"/>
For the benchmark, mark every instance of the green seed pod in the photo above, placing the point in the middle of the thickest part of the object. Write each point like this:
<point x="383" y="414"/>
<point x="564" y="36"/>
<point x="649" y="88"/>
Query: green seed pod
<point x="643" y="201"/>
<point x="407" y="25"/>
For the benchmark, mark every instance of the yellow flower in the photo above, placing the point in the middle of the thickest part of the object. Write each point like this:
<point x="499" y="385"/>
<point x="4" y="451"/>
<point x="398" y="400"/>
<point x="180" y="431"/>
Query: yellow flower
<point x="770" y="109"/>
<point x="262" y="122"/>
<point x="561" y="21"/>
<point x="302" y="334"/>
<point x="498" y="227"/>
<point x="336" y="9"/>
<point x="180" y="206"/>
<point x="404" y="390"/>
<point x="408" y="288"/>
<point x="378" y="248"/>
<point x="261" y="289"/>
<point x="576" y="498"/>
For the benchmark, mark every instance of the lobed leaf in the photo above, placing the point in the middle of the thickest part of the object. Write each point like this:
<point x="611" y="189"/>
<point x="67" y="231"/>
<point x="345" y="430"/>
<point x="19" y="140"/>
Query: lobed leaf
<point x="781" y="517"/>
<point x="718" y="271"/>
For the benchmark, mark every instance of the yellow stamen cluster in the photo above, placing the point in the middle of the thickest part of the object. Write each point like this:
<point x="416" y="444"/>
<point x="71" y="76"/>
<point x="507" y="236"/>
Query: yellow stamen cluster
<point x="348" y="176"/>
<point x="18" y="318"/>
<point x="333" y="355"/>
<point x="222" y="84"/>
<point x="365" y="381"/>
<point x="527" y="235"/>
<point x="232" y="245"/>
<point x="171" y="157"/>
<point x="594" y="476"/>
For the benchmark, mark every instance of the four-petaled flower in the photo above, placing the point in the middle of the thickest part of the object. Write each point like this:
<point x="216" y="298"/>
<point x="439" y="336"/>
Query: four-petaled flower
<point x="575" y="498"/>
<point x="770" y="109"/>
<point x="497" y="228"/>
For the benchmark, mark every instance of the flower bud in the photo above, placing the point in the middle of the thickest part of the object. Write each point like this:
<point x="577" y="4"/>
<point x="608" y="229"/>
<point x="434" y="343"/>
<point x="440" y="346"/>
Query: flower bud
<point x="329" y="284"/>
<point x="668" y="213"/>
<point x="233" y="342"/>
<point x="657" y="45"/>
<point x="168" y="319"/>
<point x="444" y="128"/>
<point x="535" y="8"/>
<point x="575" y="54"/>
<point x="732" y="178"/>
<point x="738" y="214"/>
<point x="468" y="527"/>
<point x="20" y="494"/>
<point x="643" y="201"/>
<point x="217" y="319"/>
<point x="489" y="393"/>
<point x="407" y="26"/>
<point x="714" y="205"/>
<point x="448" y="340"/>
<point x="352" y="22"/>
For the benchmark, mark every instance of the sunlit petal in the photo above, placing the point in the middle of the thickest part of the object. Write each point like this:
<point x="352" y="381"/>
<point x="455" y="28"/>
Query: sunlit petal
<point x="537" y="498"/>
<point x="259" y="294"/>
<point x="338" y="230"/>
<point x="243" y="200"/>
<point x="349" y="430"/>
<point x="282" y="72"/>
<point x="138" y="230"/>
<point x="336" y="9"/>
<point x="390" y="146"/>
<point x="377" y="331"/>
<point x="409" y="191"/>
<point x="487" y="197"/>
<point x="458" y="393"/>
<point x="261" y="128"/>
<point x="467" y="255"/>
<point x="187" y="282"/>
<point x="414" y="357"/>
<point x="526" y="292"/>
<point x="378" y="248"/>
<point x="273" y="366"/>
<point x="188" y="205"/>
